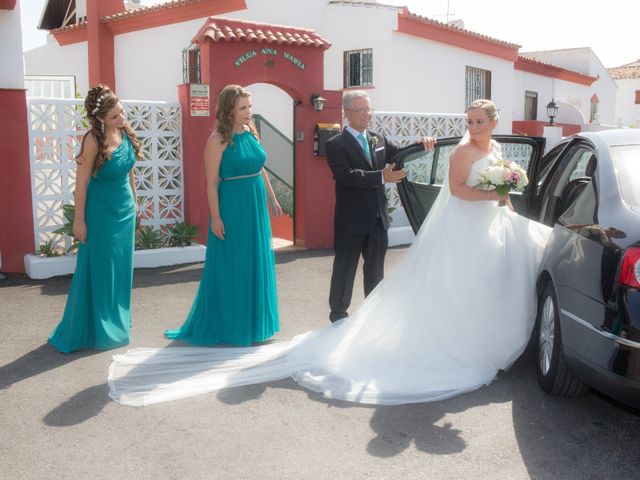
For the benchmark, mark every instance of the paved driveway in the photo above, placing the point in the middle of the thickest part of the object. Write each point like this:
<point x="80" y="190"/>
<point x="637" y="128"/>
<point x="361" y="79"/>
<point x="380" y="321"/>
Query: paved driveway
<point x="56" y="420"/>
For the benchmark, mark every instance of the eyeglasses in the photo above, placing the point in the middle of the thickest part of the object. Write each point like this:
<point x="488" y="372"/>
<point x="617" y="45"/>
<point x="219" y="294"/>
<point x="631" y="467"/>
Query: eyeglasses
<point x="360" y="110"/>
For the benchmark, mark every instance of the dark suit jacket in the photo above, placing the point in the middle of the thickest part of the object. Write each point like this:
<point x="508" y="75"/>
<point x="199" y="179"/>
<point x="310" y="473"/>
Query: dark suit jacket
<point x="360" y="198"/>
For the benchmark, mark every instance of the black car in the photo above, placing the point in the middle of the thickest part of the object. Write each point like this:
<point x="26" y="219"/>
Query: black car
<point x="587" y="187"/>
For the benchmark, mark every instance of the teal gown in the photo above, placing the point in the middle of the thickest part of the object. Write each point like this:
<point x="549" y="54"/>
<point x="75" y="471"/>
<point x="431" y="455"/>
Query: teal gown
<point x="98" y="310"/>
<point x="236" y="302"/>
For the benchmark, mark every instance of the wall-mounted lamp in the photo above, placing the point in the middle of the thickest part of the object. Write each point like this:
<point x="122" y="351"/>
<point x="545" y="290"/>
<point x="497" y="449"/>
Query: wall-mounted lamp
<point x="318" y="102"/>
<point x="552" y="111"/>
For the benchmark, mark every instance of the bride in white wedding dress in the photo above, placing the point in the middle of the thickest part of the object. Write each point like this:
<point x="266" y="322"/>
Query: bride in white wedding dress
<point x="459" y="307"/>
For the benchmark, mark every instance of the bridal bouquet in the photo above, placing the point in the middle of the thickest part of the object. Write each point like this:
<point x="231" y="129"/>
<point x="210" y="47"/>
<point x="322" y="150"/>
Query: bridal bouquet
<point x="504" y="176"/>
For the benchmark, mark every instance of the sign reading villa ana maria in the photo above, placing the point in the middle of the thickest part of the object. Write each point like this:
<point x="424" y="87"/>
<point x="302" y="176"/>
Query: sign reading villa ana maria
<point x="268" y="52"/>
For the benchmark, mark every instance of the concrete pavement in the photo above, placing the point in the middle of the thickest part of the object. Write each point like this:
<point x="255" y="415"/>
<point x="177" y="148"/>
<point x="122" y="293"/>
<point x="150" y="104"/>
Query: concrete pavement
<point x="56" y="420"/>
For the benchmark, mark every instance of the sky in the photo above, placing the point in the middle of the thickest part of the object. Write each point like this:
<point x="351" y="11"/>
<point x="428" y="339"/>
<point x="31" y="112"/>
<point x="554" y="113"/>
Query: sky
<point x="609" y="27"/>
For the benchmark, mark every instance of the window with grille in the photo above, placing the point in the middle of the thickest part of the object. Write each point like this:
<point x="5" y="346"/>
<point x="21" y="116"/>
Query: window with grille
<point x="191" y="64"/>
<point x="530" y="105"/>
<point x="358" y="68"/>
<point x="477" y="85"/>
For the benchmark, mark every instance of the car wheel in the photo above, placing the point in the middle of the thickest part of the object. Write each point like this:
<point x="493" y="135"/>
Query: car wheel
<point x="553" y="374"/>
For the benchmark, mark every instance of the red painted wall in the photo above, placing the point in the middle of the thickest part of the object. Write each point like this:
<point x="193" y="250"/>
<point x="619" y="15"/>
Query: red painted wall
<point x="532" y="128"/>
<point x="224" y="63"/>
<point x="16" y="211"/>
<point x="535" y="128"/>
<point x="7" y="4"/>
<point x="100" y="42"/>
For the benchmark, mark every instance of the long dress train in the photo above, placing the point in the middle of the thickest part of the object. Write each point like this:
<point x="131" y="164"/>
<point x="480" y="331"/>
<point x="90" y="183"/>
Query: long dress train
<point x="98" y="310"/>
<point x="458" y="308"/>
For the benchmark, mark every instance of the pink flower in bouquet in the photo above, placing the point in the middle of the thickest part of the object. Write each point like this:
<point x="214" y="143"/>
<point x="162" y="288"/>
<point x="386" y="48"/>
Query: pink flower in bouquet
<point x="503" y="176"/>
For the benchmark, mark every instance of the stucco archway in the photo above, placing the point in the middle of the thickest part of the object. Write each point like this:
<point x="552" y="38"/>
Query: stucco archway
<point x="569" y="114"/>
<point x="240" y="52"/>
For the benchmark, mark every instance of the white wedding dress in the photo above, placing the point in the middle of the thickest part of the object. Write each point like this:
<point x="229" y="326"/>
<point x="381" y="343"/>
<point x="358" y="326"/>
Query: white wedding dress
<point x="459" y="307"/>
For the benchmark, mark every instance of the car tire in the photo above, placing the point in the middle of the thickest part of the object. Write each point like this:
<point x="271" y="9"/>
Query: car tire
<point x="553" y="373"/>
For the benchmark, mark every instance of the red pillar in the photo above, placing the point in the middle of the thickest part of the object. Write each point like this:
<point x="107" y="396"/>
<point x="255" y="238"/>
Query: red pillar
<point x="16" y="210"/>
<point x="314" y="184"/>
<point x="195" y="131"/>
<point x="100" y="42"/>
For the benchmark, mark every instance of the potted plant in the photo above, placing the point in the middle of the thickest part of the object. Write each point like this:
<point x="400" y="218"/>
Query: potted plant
<point x="181" y="234"/>
<point x="153" y="248"/>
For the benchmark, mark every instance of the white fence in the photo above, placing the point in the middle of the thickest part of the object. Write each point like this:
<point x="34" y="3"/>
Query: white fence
<point x="50" y="86"/>
<point x="404" y="129"/>
<point x="56" y="128"/>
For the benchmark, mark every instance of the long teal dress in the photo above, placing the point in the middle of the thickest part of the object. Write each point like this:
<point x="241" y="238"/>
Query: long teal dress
<point x="98" y="310"/>
<point x="237" y="300"/>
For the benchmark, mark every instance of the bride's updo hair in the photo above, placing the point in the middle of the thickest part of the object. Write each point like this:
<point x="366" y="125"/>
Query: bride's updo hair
<point x="488" y="106"/>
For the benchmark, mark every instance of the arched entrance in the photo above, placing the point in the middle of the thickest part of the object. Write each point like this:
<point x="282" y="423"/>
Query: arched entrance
<point x="273" y="115"/>
<point x="245" y="53"/>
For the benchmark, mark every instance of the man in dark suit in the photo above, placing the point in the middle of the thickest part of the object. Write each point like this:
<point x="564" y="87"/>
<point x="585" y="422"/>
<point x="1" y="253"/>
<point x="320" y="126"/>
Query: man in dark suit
<point x="361" y="164"/>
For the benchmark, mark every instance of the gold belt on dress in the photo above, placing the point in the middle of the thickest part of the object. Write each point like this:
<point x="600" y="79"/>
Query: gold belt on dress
<point x="243" y="176"/>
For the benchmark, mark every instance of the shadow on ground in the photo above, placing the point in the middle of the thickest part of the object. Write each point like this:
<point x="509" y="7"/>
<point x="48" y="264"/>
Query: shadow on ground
<point x="37" y="361"/>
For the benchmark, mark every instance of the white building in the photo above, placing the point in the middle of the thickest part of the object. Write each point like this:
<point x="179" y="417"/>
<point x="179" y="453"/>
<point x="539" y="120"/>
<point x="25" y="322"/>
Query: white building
<point x="406" y="62"/>
<point x="627" y="77"/>
<point x="593" y="102"/>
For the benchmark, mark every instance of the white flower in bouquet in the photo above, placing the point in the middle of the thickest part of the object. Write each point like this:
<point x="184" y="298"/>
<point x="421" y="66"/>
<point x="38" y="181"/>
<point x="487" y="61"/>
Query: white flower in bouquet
<point x="503" y="176"/>
<point x="493" y="175"/>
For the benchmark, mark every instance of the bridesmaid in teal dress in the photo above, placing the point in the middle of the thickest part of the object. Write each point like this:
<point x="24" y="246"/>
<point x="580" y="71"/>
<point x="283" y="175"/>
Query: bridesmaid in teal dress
<point x="98" y="310"/>
<point x="236" y="302"/>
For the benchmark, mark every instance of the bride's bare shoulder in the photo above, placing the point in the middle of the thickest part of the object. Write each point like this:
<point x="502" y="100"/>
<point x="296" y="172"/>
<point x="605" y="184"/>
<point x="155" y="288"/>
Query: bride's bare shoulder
<point x="463" y="153"/>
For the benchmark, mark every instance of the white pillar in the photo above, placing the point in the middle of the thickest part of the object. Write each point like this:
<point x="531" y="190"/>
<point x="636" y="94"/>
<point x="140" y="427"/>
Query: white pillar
<point x="553" y="135"/>
<point x="12" y="71"/>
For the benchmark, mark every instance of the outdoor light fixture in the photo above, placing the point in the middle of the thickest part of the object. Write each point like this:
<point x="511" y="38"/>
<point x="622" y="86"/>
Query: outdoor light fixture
<point x="552" y="111"/>
<point x="318" y="102"/>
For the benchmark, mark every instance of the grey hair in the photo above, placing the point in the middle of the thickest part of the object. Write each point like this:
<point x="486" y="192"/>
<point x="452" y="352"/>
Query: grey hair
<point x="347" y="97"/>
<point x="488" y="106"/>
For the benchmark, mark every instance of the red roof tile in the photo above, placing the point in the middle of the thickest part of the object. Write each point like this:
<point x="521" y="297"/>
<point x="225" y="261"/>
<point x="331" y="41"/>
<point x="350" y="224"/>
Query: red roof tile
<point x="434" y="23"/>
<point x="144" y="10"/>
<point x="69" y="28"/>
<point x="533" y="65"/>
<point x="221" y="29"/>
<point x="624" y="73"/>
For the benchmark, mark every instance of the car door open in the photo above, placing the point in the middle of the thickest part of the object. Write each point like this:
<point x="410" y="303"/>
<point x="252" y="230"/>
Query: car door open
<point x="426" y="171"/>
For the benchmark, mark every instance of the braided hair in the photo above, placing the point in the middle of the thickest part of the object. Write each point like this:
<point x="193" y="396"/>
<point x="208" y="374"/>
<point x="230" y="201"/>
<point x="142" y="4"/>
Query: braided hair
<point x="99" y="101"/>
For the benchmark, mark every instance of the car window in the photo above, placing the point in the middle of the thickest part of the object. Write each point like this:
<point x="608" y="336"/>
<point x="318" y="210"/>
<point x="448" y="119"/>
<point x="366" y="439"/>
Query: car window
<point x="627" y="162"/>
<point x="568" y="182"/>
<point x="573" y="167"/>
<point x="583" y="157"/>
<point x="517" y="152"/>
<point x="444" y="154"/>
<point x="581" y="209"/>
<point x="548" y="161"/>
<point x="418" y="166"/>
